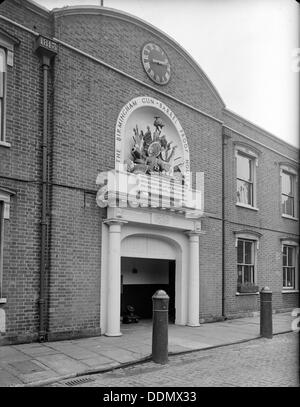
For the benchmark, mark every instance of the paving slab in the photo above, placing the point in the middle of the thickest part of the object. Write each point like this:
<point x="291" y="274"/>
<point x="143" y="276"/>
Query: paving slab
<point x="74" y="351"/>
<point x="38" y="350"/>
<point x="10" y="354"/>
<point x="122" y="356"/>
<point x="37" y="363"/>
<point x="187" y="344"/>
<point x="62" y="364"/>
<point x="102" y="361"/>
<point x="7" y="379"/>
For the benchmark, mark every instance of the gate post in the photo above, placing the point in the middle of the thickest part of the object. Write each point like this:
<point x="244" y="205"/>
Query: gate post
<point x="266" y="325"/>
<point x="160" y="301"/>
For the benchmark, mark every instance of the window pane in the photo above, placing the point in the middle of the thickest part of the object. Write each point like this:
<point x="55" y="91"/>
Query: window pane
<point x="248" y="252"/>
<point x="284" y="277"/>
<point x="284" y="257"/>
<point x="1" y="84"/>
<point x="290" y="277"/>
<point x="287" y="183"/>
<point x="2" y="70"/>
<point x="244" y="192"/>
<point x="240" y="274"/>
<point x="240" y="252"/>
<point x="287" y="205"/>
<point x="290" y="260"/>
<point x="1" y="109"/>
<point x="248" y="274"/>
<point x="244" y="167"/>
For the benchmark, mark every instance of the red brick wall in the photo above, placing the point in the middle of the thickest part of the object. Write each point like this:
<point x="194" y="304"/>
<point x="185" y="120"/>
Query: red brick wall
<point x="267" y="221"/>
<point x="88" y="98"/>
<point x="85" y="100"/>
<point x="20" y="170"/>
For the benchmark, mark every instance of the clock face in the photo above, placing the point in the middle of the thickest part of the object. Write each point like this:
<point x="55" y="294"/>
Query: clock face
<point x="156" y="63"/>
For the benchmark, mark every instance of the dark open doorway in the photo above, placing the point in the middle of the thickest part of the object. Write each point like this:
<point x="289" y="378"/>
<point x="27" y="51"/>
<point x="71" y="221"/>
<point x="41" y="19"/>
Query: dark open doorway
<point x="141" y="278"/>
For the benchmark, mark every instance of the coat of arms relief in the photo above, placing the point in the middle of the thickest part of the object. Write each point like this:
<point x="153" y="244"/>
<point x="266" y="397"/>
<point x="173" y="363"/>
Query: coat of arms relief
<point x="152" y="153"/>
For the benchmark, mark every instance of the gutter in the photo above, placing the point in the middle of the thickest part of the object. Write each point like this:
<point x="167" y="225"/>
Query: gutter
<point x="46" y="49"/>
<point x="224" y="143"/>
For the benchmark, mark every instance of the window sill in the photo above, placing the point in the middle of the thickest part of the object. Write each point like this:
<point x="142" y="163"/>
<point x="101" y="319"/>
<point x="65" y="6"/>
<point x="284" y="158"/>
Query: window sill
<point x="3" y="300"/>
<point x="289" y="217"/>
<point x="289" y="291"/>
<point x="238" y="294"/>
<point x="5" y="144"/>
<point x="253" y="208"/>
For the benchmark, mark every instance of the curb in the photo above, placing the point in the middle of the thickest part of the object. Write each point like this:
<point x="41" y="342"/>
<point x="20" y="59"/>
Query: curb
<point x="117" y="365"/>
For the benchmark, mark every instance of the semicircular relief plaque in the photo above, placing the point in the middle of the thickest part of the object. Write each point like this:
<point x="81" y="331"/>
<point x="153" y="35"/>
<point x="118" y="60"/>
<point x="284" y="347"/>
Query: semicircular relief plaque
<point x="150" y="140"/>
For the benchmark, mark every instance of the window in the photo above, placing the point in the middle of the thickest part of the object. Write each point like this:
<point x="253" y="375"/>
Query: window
<point x="289" y="266"/>
<point x="1" y="242"/>
<point x="247" y="245"/>
<point x="245" y="261"/>
<point x="288" y="193"/>
<point x="2" y="91"/>
<point x="5" y="195"/>
<point x="7" y="46"/>
<point x="245" y="179"/>
<point x="246" y="159"/>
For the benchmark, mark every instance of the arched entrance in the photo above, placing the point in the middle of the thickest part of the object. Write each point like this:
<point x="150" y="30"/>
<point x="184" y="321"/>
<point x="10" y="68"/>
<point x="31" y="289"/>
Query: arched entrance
<point x="141" y="278"/>
<point x="148" y="263"/>
<point x="139" y="234"/>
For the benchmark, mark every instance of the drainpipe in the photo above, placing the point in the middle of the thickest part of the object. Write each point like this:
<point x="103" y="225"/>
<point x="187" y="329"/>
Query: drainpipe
<point x="223" y="223"/>
<point x="46" y="49"/>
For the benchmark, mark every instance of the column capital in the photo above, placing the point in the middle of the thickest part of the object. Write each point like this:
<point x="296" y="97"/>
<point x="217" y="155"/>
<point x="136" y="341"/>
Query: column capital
<point x="115" y="221"/>
<point x="198" y="233"/>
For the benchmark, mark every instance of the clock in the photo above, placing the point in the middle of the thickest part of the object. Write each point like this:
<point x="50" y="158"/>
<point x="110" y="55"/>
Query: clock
<point x="156" y="63"/>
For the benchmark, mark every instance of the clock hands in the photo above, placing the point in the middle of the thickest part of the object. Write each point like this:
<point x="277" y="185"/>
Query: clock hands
<point x="158" y="62"/>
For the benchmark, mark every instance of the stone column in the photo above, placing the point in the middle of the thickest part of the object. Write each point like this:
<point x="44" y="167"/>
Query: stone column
<point x="114" y="277"/>
<point x="193" y="280"/>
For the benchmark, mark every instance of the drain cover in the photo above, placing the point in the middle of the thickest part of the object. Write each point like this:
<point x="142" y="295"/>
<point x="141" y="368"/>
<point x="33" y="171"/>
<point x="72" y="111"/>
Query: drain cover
<point x="77" y="382"/>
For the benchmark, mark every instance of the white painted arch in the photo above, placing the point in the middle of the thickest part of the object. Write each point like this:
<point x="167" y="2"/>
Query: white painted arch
<point x="144" y="242"/>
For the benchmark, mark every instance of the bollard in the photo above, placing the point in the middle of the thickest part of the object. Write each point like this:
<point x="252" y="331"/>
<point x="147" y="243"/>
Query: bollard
<point x="160" y="301"/>
<point x="266" y="325"/>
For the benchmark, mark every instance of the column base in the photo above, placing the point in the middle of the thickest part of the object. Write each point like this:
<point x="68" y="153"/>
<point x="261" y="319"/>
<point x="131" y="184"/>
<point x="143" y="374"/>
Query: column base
<point x="118" y="334"/>
<point x="193" y="325"/>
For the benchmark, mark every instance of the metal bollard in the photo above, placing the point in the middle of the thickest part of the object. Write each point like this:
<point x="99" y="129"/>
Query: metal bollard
<point x="266" y="325"/>
<point x="160" y="301"/>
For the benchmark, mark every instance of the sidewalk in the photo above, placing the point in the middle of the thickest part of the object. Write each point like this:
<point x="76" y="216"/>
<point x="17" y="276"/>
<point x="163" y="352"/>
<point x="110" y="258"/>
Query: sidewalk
<point x="39" y="364"/>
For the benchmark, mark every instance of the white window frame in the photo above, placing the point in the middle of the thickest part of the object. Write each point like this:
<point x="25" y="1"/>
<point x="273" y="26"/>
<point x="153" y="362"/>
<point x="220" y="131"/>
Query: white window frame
<point x="7" y="43"/>
<point x="287" y="169"/>
<point x="254" y="237"/>
<point x="295" y="245"/>
<point x="253" y="156"/>
<point x="4" y="214"/>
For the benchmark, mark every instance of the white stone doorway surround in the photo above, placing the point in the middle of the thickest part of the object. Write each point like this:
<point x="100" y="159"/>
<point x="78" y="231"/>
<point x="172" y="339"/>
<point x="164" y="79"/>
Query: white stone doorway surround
<point x="149" y="233"/>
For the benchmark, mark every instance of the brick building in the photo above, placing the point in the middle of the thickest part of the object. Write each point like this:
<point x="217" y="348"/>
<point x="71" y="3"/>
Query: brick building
<point x="84" y="89"/>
